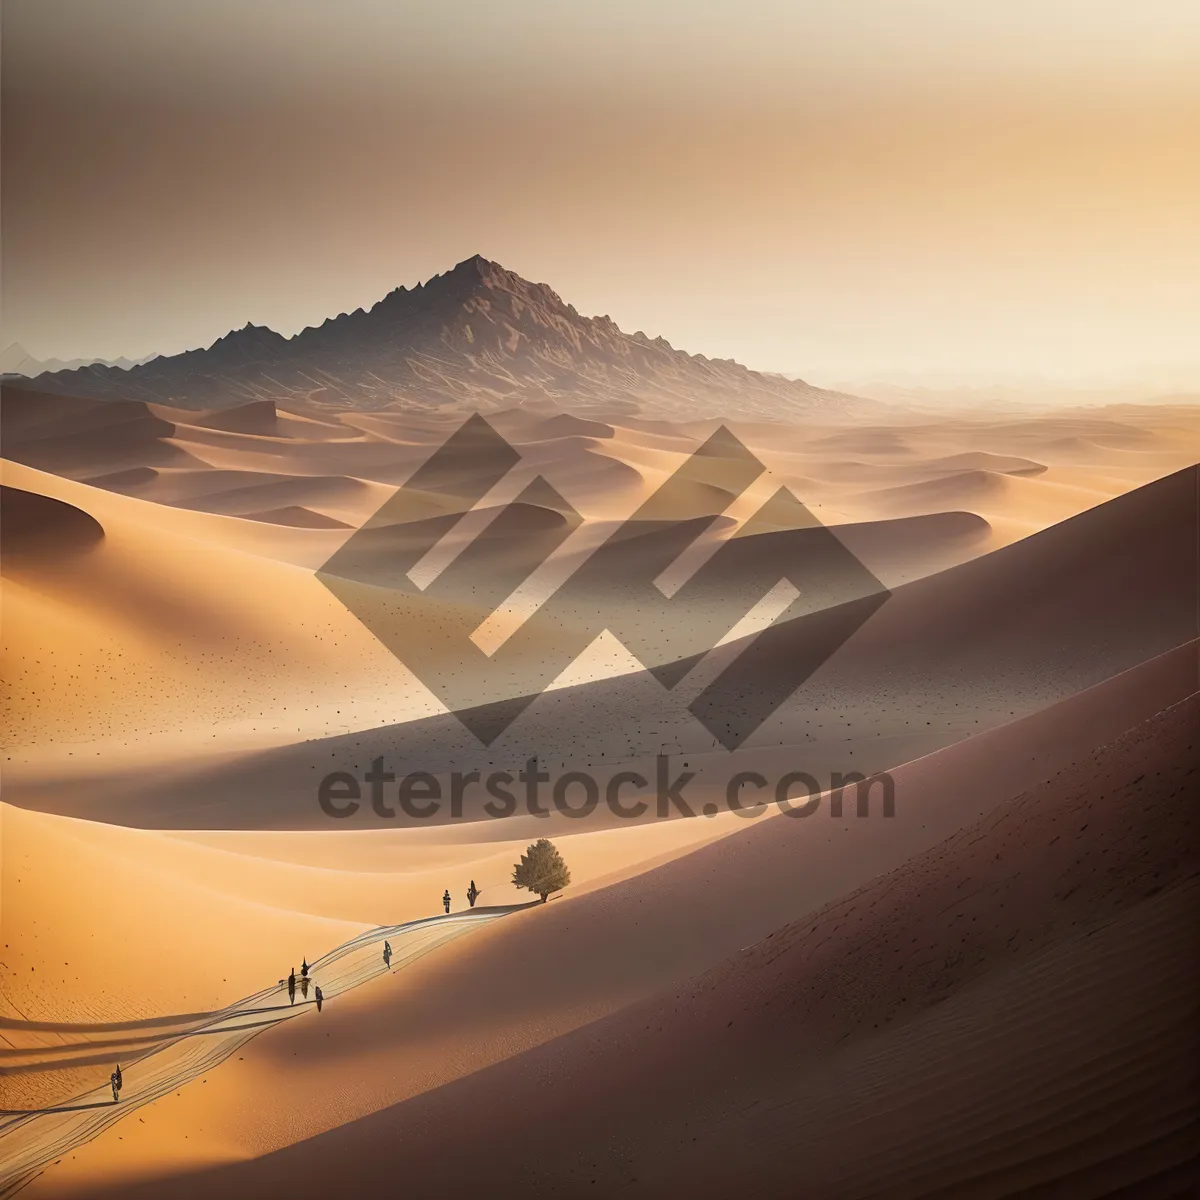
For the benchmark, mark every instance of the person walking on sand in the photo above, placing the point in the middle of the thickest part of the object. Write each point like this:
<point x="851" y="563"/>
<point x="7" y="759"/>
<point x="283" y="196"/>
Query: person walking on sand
<point x="319" y="997"/>
<point x="387" y="954"/>
<point x="472" y="894"/>
<point x="304" y="969"/>
<point x="446" y="899"/>
<point x="116" y="1087"/>
<point x="292" y="986"/>
<point x="120" y="1080"/>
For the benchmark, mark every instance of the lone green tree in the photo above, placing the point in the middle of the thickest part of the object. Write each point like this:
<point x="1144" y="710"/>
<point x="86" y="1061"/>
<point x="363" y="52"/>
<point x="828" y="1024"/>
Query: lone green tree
<point x="542" y="869"/>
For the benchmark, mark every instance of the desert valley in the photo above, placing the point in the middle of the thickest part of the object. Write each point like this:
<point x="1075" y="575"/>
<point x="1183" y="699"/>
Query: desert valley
<point x="991" y="990"/>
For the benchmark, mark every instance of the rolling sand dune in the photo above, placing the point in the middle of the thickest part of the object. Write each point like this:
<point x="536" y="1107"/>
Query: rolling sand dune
<point x="160" y="631"/>
<point x="84" y="437"/>
<point x="167" y="1054"/>
<point x="298" y="517"/>
<point x="131" y="480"/>
<point x="1081" y="456"/>
<point x="605" y="467"/>
<point x="287" y="899"/>
<point x="31" y="415"/>
<point x="1099" y="430"/>
<point x="84" y="947"/>
<point x="878" y="440"/>
<point x="991" y="991"/>
<point x="36" y="528"/>
<point x="944" y="658"/>
<point x="907" y="548"/>
<point x="263" y="417"/>
<point x="566" y="424"/>
<point x="322" y="491"/>
<point x="236" y="493"/>
<point x="1036" y="502"/>
<point x="934" y="478"/>
<point x="981" y="460"/>
<point x="259" y="418"/>
<point x="979" y="1021"/>
<point x="361" y="457"/>
<point x="594" y="954"/>
<point x="168" y="486"/>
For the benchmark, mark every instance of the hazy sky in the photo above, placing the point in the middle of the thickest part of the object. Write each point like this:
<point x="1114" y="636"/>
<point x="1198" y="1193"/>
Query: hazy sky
<point x="837" y="188"/>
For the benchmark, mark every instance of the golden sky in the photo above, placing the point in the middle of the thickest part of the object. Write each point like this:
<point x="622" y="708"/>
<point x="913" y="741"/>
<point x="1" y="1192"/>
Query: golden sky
<point x="843" y="189"/>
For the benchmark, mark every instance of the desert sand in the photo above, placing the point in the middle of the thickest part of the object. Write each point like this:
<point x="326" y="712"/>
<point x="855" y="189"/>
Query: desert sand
<point x="1045" y="951"/>
<point x="713" y="1000"/>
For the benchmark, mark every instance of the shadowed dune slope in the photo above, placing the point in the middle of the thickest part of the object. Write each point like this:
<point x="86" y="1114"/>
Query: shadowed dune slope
<point x="587" y="956"/>
<point x="297" y="516"/>
<point x="73" y="436"/>
<point x="167" y="626"/>
<point x="64" y="1008"/>
<point x="1012" y="1010"/>
<point x="34" y="527"/>
<point x="944" y="658"/>
<point x="258" y="417"/>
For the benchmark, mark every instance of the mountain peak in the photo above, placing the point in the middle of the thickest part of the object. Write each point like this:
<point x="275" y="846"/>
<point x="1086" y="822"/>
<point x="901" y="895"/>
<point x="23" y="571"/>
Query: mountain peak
<point x="478" y="264"/>
<point x="478" y="269"/>
<point x="478" y="337"/>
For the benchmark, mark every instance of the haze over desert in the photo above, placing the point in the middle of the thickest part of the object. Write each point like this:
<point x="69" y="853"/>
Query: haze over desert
<point x="457" y="745"/>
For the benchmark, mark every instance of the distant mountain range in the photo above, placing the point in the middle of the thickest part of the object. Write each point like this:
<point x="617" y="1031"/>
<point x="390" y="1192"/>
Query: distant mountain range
<point x="16" y="360"/>
<point x="477" y="337"/>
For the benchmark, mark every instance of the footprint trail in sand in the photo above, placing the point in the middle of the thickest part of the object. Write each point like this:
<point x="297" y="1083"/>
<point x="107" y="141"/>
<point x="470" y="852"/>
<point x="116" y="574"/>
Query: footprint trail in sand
<point x="30" y="1139"/>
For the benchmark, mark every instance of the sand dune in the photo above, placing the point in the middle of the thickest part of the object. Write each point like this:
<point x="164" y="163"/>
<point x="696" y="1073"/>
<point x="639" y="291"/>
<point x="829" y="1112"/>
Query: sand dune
<point x="85" y="437"/>
<point x="944" y="658"/>
<point x="990" y="992"/>
<point x="897" y="551"/>
<point x="996" y="958"/>
<point x="143" y="582"/>
<point x="288" y="901"/>
<point x="259" y="417"/>
<point x="981" y="460"/>
<point x="1054" y="598"/>
<point x="599" y="952"/>
<point x="334" y="492"/>
<point x="722" y="897"/>
<point x="129" y="480"/>
<point x="103" y="929"/>
<point x="1088" y="457"/>
<point x="31" y="415"/>
<point x="236" y="493"/>
<point x="566" y="424"/>
<point x="995" y="494"/>
<point x="164" y="635"/>
<point x="36" y="528"/>
<point x="605" y="468"/>
<point x="167" y="1054"/>
<point x="877" y="440"/>
<point x="297" y="516"/>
